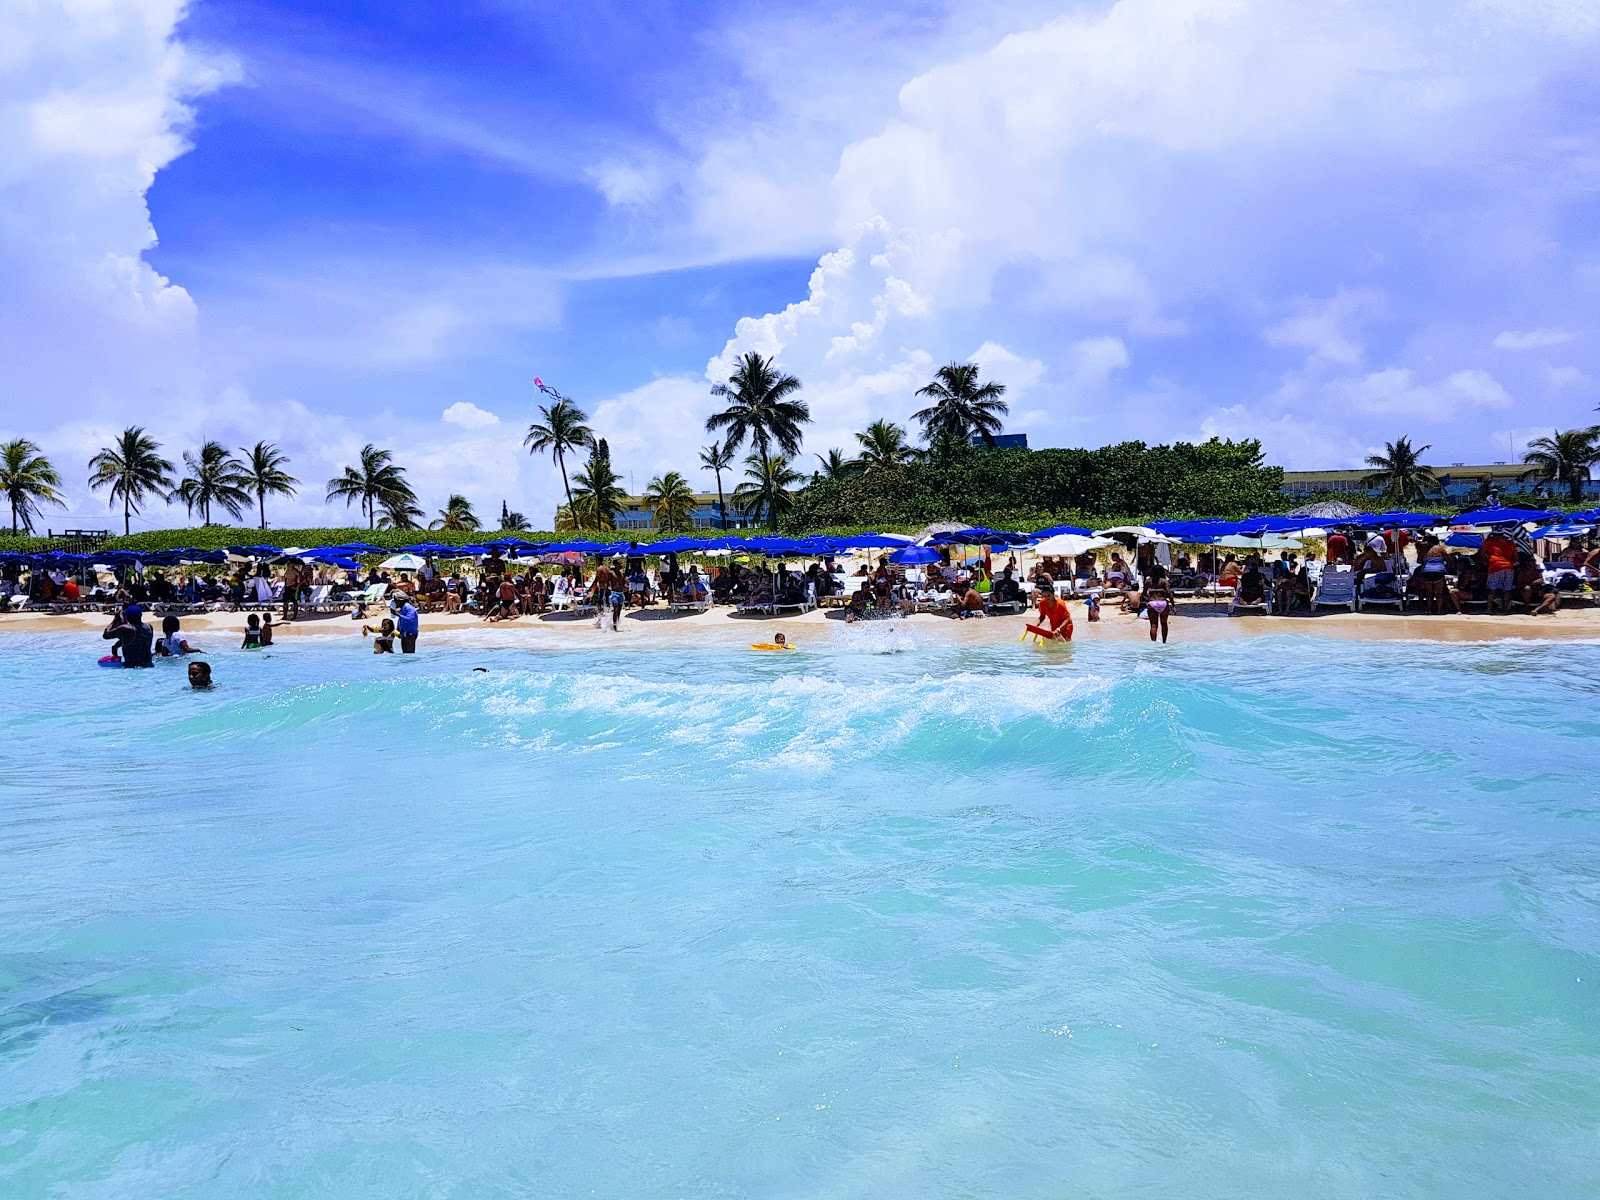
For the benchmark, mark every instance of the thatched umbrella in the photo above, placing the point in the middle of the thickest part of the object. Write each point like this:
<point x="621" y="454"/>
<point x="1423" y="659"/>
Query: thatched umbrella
<point x="1327" y="510"/>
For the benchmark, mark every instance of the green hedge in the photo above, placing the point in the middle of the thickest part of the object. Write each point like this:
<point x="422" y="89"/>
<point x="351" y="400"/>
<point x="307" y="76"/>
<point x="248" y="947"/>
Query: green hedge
<point x="1033" y="488"/>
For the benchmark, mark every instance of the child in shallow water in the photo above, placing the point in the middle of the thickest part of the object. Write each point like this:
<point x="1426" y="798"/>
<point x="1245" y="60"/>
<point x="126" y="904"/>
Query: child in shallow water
<point x="383" y="643"/>
<point x="252" y="633"/>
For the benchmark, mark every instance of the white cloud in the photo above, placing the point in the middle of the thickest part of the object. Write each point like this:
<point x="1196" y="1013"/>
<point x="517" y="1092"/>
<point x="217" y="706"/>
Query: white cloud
<point x="94" y="100"/>
<point x="1326" y="329"/>
<point x="1395" y="392"/>
<point x="1533" y="339"/>
<point x="1564" y="377"/>
<point x="468" y="416"/>
<point x="1121" y="167"/>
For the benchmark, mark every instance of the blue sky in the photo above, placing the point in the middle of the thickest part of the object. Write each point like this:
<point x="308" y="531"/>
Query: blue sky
<point x="325" y="224"/>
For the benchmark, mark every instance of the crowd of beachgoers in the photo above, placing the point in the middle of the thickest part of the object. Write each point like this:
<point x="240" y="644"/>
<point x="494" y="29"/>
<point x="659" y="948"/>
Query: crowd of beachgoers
<point x="1497" y="560"/>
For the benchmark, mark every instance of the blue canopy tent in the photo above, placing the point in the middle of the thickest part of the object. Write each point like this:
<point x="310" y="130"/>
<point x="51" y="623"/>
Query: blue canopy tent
<point x="867" y="541"/>
<point x="1395" y="519"/>
<point x="1506" y="516"/>
<point x="978" y="536"/>
<point x="675" y="545"/>
<point x="1464" y="541"/>
<point x="914" y="555"/>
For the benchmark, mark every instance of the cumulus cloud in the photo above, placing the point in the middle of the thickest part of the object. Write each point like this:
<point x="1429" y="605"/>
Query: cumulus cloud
<point x="1396" y="392"/>
<point x="469" y="416"/>
<point x="1169" y="169"/>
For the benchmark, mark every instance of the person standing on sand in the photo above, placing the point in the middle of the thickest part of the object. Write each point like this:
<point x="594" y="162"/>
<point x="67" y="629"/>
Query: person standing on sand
<point x="1499" y="557"/>
<point x="1158" y="602"/>
<point x="603" y="586"/>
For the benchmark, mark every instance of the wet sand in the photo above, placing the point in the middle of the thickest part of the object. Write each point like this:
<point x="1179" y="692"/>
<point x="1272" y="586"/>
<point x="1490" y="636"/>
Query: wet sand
<point x="1194" y="621"/>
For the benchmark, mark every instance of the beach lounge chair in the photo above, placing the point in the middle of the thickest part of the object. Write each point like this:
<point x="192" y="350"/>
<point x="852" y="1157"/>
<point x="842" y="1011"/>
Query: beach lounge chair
<point x="1384" y="590"/>
<point x="1336" y="589"/>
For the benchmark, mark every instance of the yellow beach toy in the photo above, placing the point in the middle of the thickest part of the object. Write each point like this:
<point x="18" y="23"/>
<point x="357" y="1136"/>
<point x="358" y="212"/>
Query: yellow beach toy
<point x="772" y="646"/>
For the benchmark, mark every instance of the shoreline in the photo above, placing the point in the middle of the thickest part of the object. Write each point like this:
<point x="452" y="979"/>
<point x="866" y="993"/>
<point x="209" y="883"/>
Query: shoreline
<point x="720" y="627"/>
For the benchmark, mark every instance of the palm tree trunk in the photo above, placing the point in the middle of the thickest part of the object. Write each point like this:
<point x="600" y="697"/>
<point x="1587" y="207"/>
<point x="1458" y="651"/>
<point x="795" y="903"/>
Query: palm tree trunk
<point x="571" y="512"/>
<point x="261" y="499"/>
<point x="722" y="505"/>
<point x="127" y="520"/>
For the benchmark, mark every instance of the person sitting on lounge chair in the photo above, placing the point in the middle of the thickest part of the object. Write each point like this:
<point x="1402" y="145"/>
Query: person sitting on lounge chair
<point x="1252" y="585"/>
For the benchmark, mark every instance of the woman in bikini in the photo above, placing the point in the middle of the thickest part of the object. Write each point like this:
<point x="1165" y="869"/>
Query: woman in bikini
<point x="1158" y="601"/>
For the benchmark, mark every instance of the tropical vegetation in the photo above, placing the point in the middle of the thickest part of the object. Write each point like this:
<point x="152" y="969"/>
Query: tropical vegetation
<point x="457" y="514"/>
<point x="1566" y="458"/>
<point x="1400" y="472"/>
<point x="962" y="408"/>
<point x="599" y="494"/>
<point x="717" y="458"/>
<point x="767" y="495"/>
<point x="561" y="430"/>
<point x="761" y="407"/>
<point x="216" y="479"/>
<point x="672" y="502"/>
<point x="133" y="470"/>
<point x="28" y="480"/>
<point x="884" y="444"/>
<point x="377" y="483"/>
<point x="264" y="474"/>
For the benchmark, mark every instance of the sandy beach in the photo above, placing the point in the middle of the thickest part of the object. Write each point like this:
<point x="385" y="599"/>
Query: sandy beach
<point x="1197" y="621"/>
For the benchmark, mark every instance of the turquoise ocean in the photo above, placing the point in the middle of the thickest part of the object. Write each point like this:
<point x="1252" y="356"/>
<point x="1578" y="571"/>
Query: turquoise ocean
<point x="1294" y="917"/>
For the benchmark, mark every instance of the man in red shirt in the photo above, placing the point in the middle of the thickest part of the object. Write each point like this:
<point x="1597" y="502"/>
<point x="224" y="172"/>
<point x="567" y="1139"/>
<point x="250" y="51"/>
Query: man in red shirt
<point x="1338" y="546"/>
<point x="69" y="591"/>
<point x="1499" y="556"/>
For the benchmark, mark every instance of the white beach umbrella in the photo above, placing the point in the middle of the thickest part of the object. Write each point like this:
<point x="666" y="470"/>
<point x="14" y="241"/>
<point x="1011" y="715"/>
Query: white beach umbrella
<point x="403" y="562"/>
<point x="1270" y="541"/>
<point x="1070" y="545"/>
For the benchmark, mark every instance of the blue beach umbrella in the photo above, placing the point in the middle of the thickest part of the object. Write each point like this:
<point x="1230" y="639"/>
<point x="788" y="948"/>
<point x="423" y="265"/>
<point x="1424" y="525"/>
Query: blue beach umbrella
<point x="914" y="556"/>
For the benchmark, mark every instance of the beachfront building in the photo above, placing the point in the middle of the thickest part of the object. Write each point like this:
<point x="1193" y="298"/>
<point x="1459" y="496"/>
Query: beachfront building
<point x="635" y="513"/>
<point x="1459" y="481"/>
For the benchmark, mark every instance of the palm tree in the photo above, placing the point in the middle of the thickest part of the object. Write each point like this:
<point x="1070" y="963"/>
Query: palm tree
<point x="511" y="521"/>
<point x="216" y="479"/>
<point x="376" y="483"/>
<point x="717" y="458"/>
<point x="672" y="502"/>
<point x="767" y="491"/>
<point x="1566" y="457"/>
<point x="961" y="405"/>
<point x="399" y="513"/>
<point x="28" y="480"/>
<point x="565" y="521"/>
<point x="1400" y="472"/>
<point x="456" y="514"/>
<point x="599" y="496"/>
<point x="759" y="408"/>
<point x="561" y="431"/>
<point x="835" y="465"/>
<point x="884" y="445"/>
<point x="132" y="467"/>
<point x="264" y="475"/>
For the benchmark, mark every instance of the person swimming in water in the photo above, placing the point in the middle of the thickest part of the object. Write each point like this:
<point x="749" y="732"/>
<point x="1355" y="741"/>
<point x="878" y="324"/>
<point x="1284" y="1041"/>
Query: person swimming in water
<point x="780" y="640"/>
<point x="383" y="643"/>
<point x="172" y="643"/>
<point x="252" y="633"/>
<point x="200" y="676"/>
